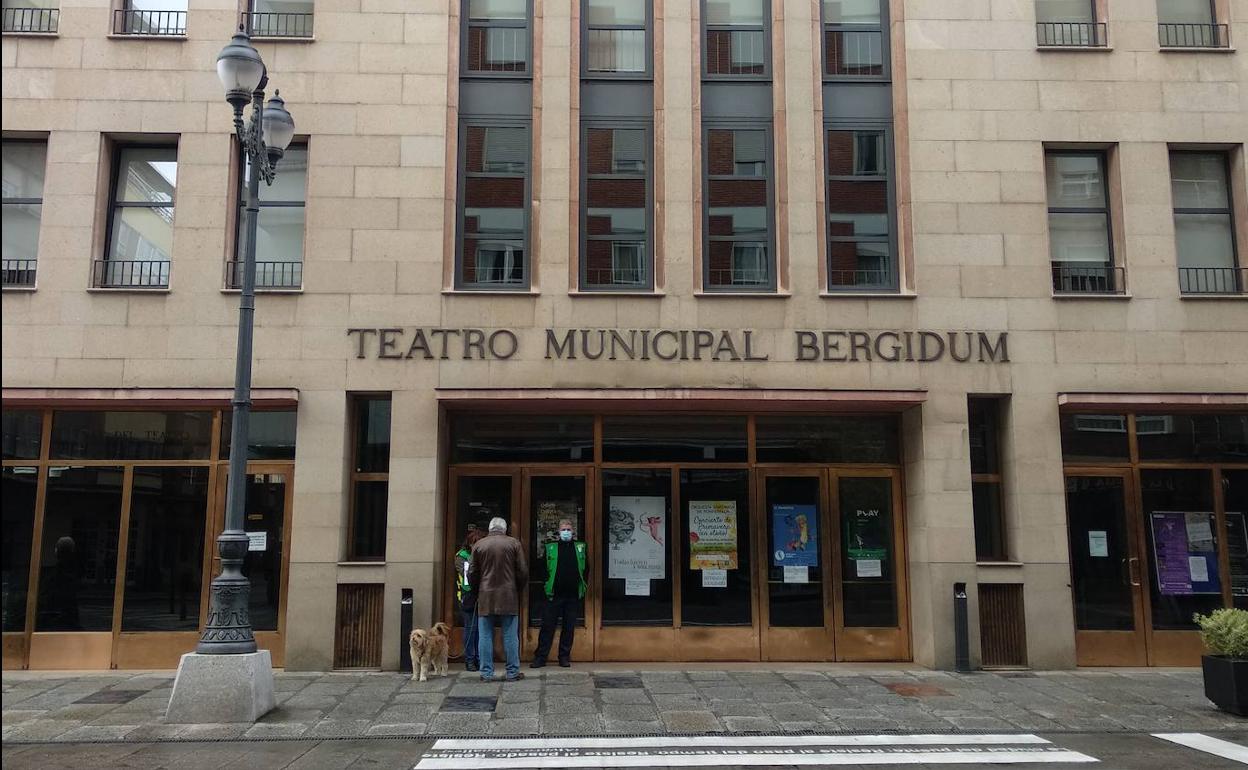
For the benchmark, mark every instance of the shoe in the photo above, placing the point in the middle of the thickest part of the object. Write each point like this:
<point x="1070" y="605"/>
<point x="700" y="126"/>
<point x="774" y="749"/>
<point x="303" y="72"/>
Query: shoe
<point x="471" y="667"/>
<point x="537" y="663"/>
<point x="516" y="678"/>
<point x="565" y="663"/>
<point x="487" y="679"/>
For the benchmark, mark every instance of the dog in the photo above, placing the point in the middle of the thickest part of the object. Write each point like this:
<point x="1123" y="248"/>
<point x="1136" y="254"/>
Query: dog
<point x="430" y="649"/>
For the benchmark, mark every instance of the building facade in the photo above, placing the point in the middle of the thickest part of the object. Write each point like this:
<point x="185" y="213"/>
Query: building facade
<point x="813" y="315"/>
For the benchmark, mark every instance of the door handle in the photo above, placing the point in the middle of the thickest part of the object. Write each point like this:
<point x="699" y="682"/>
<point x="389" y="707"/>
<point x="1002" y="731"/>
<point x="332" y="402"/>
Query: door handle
<point x="1133" y="565"/>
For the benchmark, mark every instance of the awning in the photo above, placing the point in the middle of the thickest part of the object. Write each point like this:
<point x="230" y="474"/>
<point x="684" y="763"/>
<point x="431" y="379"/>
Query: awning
<point x="110" y="398"/>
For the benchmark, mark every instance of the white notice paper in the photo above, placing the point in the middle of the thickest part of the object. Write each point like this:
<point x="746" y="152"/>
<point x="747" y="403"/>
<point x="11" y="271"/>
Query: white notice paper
<point x="797" y="574"/>
<point x="714" y="578"/>
<point x="258" y="541"/>
<point x="1199" y="569"/>
<point x="1098" y="542"/>
<point x="636" y="586"/>
<point x="870" y="567"/>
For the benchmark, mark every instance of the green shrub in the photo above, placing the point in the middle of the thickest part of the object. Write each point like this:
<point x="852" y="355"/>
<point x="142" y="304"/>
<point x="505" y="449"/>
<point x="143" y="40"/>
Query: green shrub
<point x="1225" y="632"/>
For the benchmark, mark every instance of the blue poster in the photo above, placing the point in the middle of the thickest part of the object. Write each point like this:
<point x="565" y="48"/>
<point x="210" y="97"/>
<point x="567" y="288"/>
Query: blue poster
<point x="795" y="534"/>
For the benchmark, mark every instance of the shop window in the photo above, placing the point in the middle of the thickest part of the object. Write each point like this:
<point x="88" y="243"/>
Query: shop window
<point x="709" y="499"/>
<point x="1080" y="244"/>
<point x="1182" y="536"/>
<point x="140" y="225"/>
<point x="23" y="432"/>
<point x="674" y="438"/>
<point x="1204" y="224"/>
<point x="116" y="435"/>
<point x="794" y="506"/>
<point x="370" y="478"/>
<point x="828" y="439"/>
<point x="854" y="43"/>
<point x="1068" y="23"/>
<point x="494" y="223"/>
<point x="22" y="204"/>
<point x="497" y="35"/>
<point x="861" y="242"/>
<point x="266" y="516"/>
<point x="1235" y="495"/>
<point x="615" y="223"/>
<point x="637" y="503"/>
<point x="279" y="225"/>
<point x="1193" y="437"/>
<point x="165" y="549"/>
<point x="1095" y="438"/>
<point x="739" y="242"/>
<point x="868" y="556"/>
<point x="17" y="507"/>
<point x="479" y="437"/>
<point x="736" y="38"/>
<point x="270" y="435"/>
<point x="984" y="428"/>
<point x="615" y="37"/>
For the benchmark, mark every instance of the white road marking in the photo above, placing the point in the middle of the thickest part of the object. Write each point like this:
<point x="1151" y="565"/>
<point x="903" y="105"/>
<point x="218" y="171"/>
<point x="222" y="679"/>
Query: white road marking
<point x="737" y="741"/>
<point x="1201" y="742"/>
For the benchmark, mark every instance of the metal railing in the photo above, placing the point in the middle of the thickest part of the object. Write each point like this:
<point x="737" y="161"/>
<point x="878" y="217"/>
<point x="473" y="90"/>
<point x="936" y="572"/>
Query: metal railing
<point x="738" y="276"/>
<point x="1088" y="279"/>
<point x="850" y="52"/>
<point x="498" y="49"/>
<point x="1213" y="280"/>
<point x="616" y="50"/>
<point x="155" y="23"/>
<point x="630" y="275"/>
<point x="1073" y="34"/>
<point x="278" y="24"/>
<point x="875" y="279"/>
<point x="736" y="52"/>
<point x="31" y="19"/>
<point x="269" y="275"/>
<point x="18" y="272"/>
<point x="129" y="274"/>
<point x="1194" y="35"/>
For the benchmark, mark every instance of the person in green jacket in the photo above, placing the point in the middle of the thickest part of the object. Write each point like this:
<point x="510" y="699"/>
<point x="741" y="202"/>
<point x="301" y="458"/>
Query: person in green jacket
<point x="566" y="570"/>
<point x="466" y="598"/>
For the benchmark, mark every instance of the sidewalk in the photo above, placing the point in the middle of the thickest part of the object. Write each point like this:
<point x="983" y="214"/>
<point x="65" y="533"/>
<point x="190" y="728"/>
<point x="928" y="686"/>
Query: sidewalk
<point x="594" y="700"/>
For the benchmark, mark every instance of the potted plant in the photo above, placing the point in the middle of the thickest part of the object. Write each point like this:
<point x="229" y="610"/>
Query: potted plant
<point x="1225" y="634"/>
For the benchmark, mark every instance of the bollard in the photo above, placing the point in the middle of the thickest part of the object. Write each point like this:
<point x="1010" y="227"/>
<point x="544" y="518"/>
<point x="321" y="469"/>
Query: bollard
<point x="961" y="634"/>
<point x="405" y="629"/>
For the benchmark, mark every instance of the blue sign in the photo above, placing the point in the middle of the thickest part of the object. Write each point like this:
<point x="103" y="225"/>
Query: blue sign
<point x="795" y="536"/>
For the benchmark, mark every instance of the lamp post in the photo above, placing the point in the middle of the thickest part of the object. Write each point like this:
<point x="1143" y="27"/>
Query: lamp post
<point x="263" y="139"/>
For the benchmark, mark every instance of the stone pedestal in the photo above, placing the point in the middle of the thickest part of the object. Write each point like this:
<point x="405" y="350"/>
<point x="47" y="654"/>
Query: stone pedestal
<point x="222" y="688"/>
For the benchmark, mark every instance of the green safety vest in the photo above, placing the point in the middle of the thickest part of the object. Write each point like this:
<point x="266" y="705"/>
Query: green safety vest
<point x="552" y="565"/>
<point x="461" y="580"/>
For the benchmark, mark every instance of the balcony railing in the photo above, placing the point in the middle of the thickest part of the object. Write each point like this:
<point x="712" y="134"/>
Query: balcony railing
<point x="1072" y="34"/>
<point x="18" y="272"/>
<point x="129" y="274"/>
<point x="843" y="280"/>
<point x="278" y="24"/>
<point x="1089" y="279"/>
<point x="269" y="275"/>
<point x="851" y="52"/>
<point x="616" y="50"/>
<point x="31" y="19"/>
<point x="735" y="52"/>
<point x="154" y="23"/>
<point x="1194" y="35"/>
<point x="1213" y="280"/>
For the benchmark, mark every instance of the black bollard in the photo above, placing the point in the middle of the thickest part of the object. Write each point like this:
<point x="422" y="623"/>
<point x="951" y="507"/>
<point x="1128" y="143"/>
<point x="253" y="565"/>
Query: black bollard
<point x="961" y="634"/>
<point x="405" y="629"/>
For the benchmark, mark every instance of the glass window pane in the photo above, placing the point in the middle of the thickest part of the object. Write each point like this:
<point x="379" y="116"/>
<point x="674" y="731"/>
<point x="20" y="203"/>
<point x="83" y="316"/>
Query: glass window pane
<point x="1048" y="11"/>
<point x="1235" y="493"/>
<point x="479" y="499"/>
<point x="147" y="174"/>
<point x="291" y="180"/>
<point x="794" y="523"/>
<point x="23" y="432"/>
<point x="615" y="151"/>
<point x="868" y="567"/>
<point x="859" y="263"/>
<point x="820" y="439"/>
<point x="1198" y="180"/>
<point x="368" y="534"/>
<point x="989" y="521"/>
<point x="857" y="153"/>
<point x="1182" y="537"/>
<point x="851" y="11"/>
<point x="622" y="12"/>
<point x="848" y="52"/>
<point x="744" y="12"/>
<point x="1075" y="181"/>
<point x="1079" y="238"/>
<point x="279" y="237"/>
<point x="282" y="6"/>
<point x="616" y="50"/>
<point x="521" y="438"/>
<point x="270" y="435"/>
<point x="78" y="553"/>
<point x="1099" y="548"/>
<point x="673" y="438"/>
<point x="1092" y="438"/>
<point x="156" y="5"/>
<point x="24" y="167"/>
<point x="715" y="522"/>
<point x="142" y="234"/>
<point x="1185" y="11"/>
<point x="1204" y="240"/>
<point x="497" y="49"/>
<point x="615" y="263"/>
<point x="19" y="230"/>
<point x="636" y="536"/>
<point x="372" y="435"/>
<point x="17" y="506"/>
<point x="266" y="511"/>
<point x="135" y="435"/>
<point x="495" y="261"/>
<point x="165" y="550"/>
<point x="736" y="152"/>
<point x="552" y="498"/>
<point x="1193" y="437"/>
<point x="984" y="427"/>
<point x="497" y="9"/>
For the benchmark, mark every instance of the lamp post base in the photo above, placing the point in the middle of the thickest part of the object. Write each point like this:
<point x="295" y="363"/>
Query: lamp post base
<point x="222" y="688"/>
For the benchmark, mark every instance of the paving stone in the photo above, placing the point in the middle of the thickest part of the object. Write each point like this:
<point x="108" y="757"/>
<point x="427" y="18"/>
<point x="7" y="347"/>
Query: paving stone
<point x="418" y="697"/>
<point x="691" y="722"/>
<point x="407" y="712"/>
<point x="42" y="729"/>
<point x="211" y="731"/>
<point x="511" y="710"/>
<point x="337" y="728"/>
<point x="154" y="733"/>
<point x="516" y="726"/>
<point x="460" y="723"/>
<point x="414" y="729"/>
<point x="306" y="716"/>
<point x="628" y="712"/>
<point x="793" y="712"/>
<point x="680" y="702"/>
<point x="320" y="702"/>
<point x="97" y="733"/>
<point x="565" y="705"/>
<point x="572" y="724"/>
<point x="510" y="695"/>
<point x="631" y="727"/>
<point x="276" y="730"/>
<point x="638" y="697"/>
<point x="18" y="716"/>
<point x="475" y="690"/>
<point x="737" y="708"/>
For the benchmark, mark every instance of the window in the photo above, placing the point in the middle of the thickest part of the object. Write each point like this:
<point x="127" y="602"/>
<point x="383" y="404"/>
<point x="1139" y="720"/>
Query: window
<point x="495" y="213"/>
<point x="1190" y="24"/>
<point x="140" y="237"/>
<point x="370" y="478"/>
<point x="279" y="228"/>
<point x="24" y="164"/>
<point x="860" y="220"/>
<point x="1204" y="234"/>
<point x="31" y="16"/>
<point x="280" y="18"/>
<point x="497" y="37"/>
<point x="1068" y="23"/>
<point x="615" y="37"/>
<point x="853" y="38"/>
<point x="984" y="428"/>
<point x="616" y="209"/>
<point x="1079" y="230"/>
<point x="150" y="18"/>
<point x="738" y="242"/>
<point x="736" y="37"/>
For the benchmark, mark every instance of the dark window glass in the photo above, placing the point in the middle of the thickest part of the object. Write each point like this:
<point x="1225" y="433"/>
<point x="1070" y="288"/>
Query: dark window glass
<point x="616" y="208"/>
<point x="1092" y="438"/>
<point x="711" y="499"/>
<point x="1079" y="231"/>
<point x="859" y="216"/>
<point x="1099" y="553"/>
<point x="1204" y="226"/>
<point x="165" y="550"/>
<point x="266" y="511"/>
<point x="131" y="435"/>
<point x="78" y="553"/>
<point x="1193" y="437"/>
<point x="479" y="499"/>
<point x="822" y="439"/>
<point x="23" y="431"/>
<point x="270" y="435"/>
<point x="493" y="230"/>
<point x="674" y="438"/>
<point x="736" y="37"/>
<point x="498" y="36"/>
<point x="1235" y="494"/>
<point x="984" y="428"/>
<point x="521" y="438"/>
<point x="636" y="536"/>
<point x="795" y="513"/>
<point x="1185" y="12"/>
<point x="738" y="216"/>
<point x="853" y="38"/>
<point x="1182" y="536"/>
<point x="989" y="521"/>
<point x="869" y="560"/>
<point x="368" y="536"/>
<point x="615" y="36"/>
<point x="372" y="434"/>
<point x="552" y="498"/>
<point x="17" y="506"/>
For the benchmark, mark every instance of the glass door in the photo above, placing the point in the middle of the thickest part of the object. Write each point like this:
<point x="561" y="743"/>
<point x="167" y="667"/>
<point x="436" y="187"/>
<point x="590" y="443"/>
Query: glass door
<point x="795" y="607"/>
<point x="476" y="497"/>
<point x="550" y="497"/>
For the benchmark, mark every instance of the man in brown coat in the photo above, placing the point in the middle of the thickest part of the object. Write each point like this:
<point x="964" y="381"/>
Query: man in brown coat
<point x="498" y="572"/>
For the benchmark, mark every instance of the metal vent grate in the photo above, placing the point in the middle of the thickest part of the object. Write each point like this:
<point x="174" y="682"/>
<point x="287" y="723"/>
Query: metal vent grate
<point x="357" y="631"/>
<point x="1002" y="627"/>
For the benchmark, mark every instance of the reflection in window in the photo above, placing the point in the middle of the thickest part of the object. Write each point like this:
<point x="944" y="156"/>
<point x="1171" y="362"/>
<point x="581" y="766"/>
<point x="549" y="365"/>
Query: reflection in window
<point x="22" y="206"/>
<point x="820" y="439"/>
<point x="738" y="218"/>
<point x="23" y="433"/>
<point x="477" y="437"/>
<point x="736" y="37"/>
<point x="1204" y="224"/>
<point x="141" y="226"/>
<point x="984" y="429"/>
<point x="868" y="567"/>
<point x="279" y="225"/>
<point x="673" y="438"/>
<point x="859" y="214"/>
<point x="266" y="509"/>
<point x="493" y="230"/>
<point x="270" y="435"/>
<point x="165" y="549"/>
<point x="616" y="208"/>
<point x="1182" y="537"/>
<point x="1093" y="438"/>
<point x="154" y="435"/>
<point x="715" y="495"/>
<point x="1193" y="437"/>
<point x="498" y="36"/>
<point x="17" y="506"/>
<point x="281" y="18"/>
<point x="1079" y="231"/>
<point x="615" y="36"/>
<point x="853" y="38"/>
<point x="636" y="532"/>
<point x="369" y="478"/>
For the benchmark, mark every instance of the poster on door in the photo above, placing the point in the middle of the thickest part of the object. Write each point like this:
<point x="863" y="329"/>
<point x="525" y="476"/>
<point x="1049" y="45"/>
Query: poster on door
<point x="712" y="534"/>
<point x="1185" y="556"/>
<point x="635" y="534"/>
<point x="866" y="541"/>
<point x="1237" y="549"/>
<point x="795" y="536"/>
<point x="546" y="520"/>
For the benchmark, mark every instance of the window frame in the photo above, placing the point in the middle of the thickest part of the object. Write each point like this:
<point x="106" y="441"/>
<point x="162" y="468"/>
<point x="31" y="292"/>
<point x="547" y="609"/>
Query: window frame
<point x="462" y="176"/>
<point x="117" y="151"/>
<point x="893" y="284"/>
<point x="1213" y="14"/>
<point x="766" y="74"/>
<point x="627" y="124"/>
<point x="766" y="127"/>
<point x="1224" y="157"/>
<point x="646" y="73"/>
<point x="1102" y="156"/>
<point x="240" y="212"/>
<point x="1000" y="546"/>
<point x="886" y="48"/>
<point x="466" y="24"/>
<point x="355" y="405"/>
<point x="28" y="202"/>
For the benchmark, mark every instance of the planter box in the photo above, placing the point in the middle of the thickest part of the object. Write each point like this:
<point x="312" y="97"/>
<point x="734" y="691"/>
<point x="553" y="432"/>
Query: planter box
<point x="1226" y="683"/>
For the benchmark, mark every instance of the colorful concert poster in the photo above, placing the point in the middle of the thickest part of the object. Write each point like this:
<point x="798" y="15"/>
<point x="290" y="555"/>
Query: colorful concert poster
<point x="795" y="536"/>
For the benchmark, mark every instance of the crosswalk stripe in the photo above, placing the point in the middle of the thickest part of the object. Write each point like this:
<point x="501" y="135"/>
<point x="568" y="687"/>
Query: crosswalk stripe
<point x="1202" y="742"/>
<point x="735" y="741"/>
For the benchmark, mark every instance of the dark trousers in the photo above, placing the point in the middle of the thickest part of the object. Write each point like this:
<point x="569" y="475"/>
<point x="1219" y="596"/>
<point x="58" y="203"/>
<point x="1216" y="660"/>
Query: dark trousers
<point x="563" y="611"/>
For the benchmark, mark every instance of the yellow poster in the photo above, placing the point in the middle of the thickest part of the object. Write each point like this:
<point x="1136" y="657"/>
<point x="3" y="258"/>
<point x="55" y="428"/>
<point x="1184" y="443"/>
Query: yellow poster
<point x="712" y="534"/>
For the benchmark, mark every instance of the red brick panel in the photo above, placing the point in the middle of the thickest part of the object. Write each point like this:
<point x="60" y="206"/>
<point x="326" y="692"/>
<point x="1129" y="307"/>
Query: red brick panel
<point x="847" y="197"/>
<point x="616" y="193"/>
<point x="494" y="192"/>
<point x="737" y="192"/>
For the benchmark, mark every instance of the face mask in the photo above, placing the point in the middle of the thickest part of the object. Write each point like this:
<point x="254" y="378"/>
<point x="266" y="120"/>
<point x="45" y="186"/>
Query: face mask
<point x="565" y="535"/>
